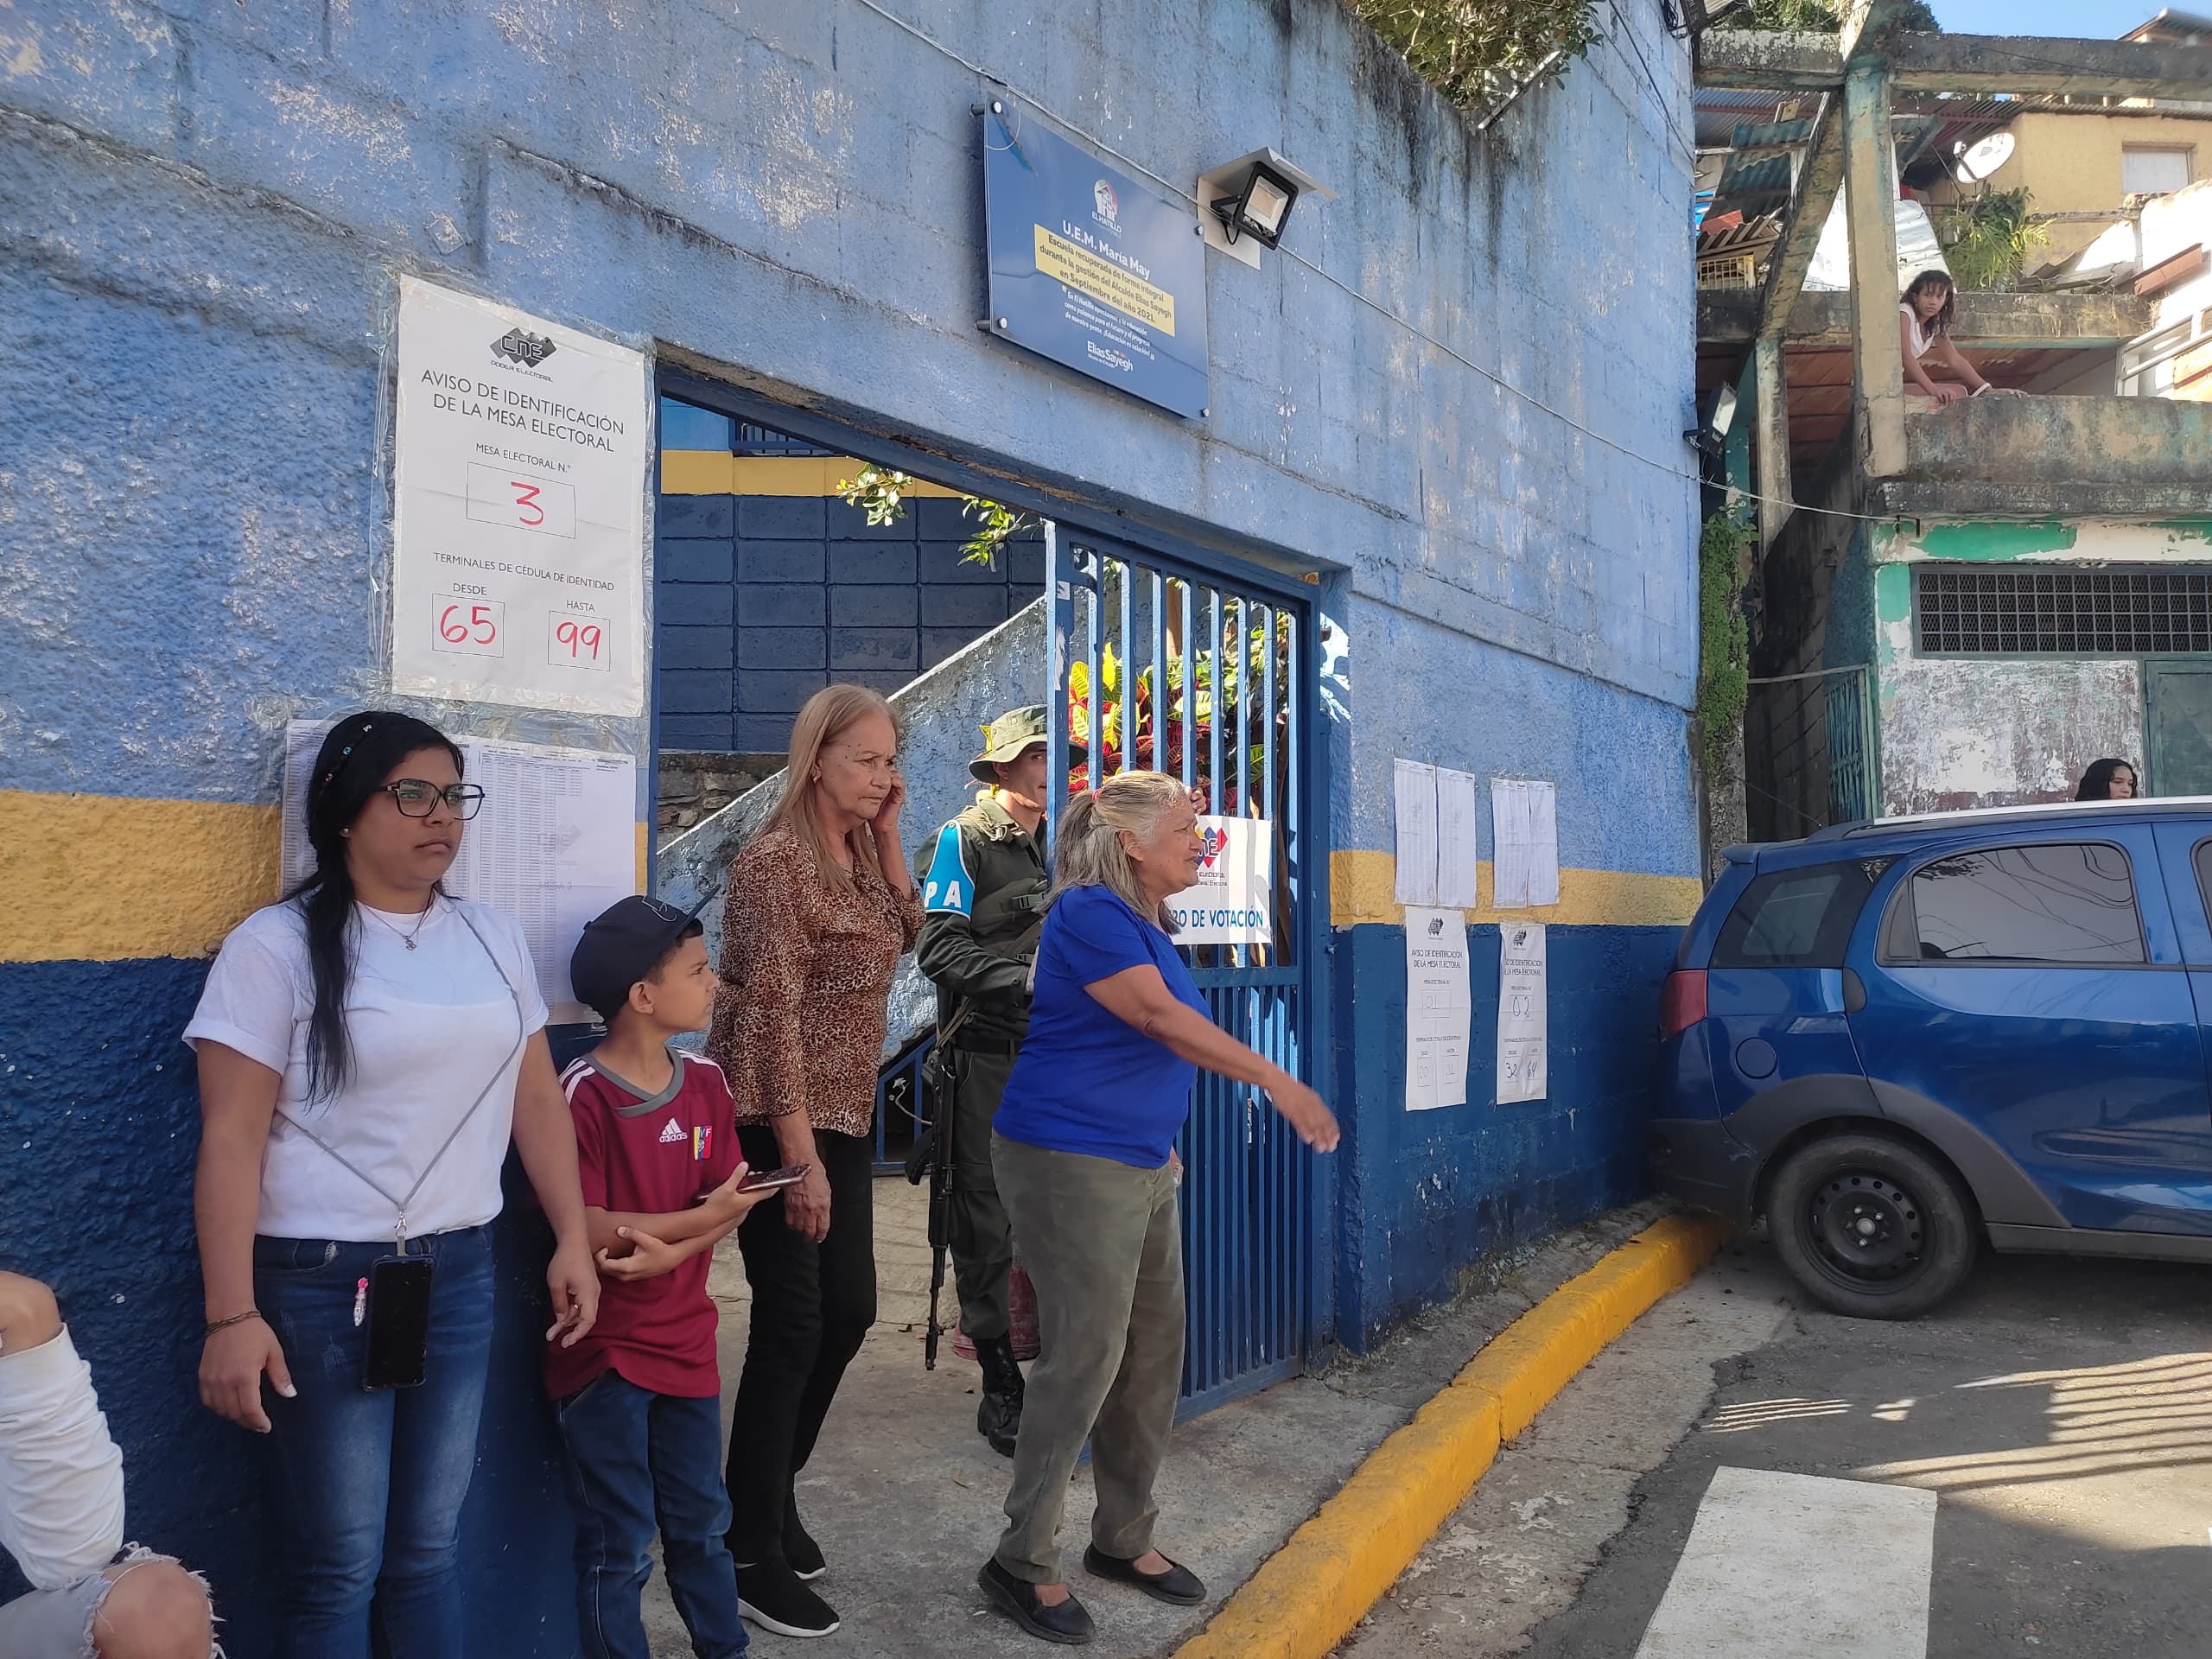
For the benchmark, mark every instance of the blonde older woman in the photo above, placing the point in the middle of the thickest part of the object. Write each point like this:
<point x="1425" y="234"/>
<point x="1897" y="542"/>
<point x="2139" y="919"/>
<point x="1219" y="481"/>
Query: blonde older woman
<point x="820" y="909"/>
<point x="1084" y="1150"/>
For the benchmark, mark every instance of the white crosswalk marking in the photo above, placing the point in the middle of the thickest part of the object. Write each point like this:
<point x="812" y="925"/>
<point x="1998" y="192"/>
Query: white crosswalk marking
<point x="1796" y="1567"/>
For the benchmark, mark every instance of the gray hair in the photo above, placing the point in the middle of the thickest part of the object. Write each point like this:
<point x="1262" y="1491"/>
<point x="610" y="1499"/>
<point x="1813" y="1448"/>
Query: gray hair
<point x="1087" y="849"/>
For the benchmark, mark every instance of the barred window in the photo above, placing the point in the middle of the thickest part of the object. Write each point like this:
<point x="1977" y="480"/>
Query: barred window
<point x="2055" y="613"/>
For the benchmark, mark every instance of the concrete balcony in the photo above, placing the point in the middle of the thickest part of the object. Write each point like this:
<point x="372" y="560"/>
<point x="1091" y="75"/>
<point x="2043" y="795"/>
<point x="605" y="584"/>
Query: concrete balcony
<point x="2010" y="456"/>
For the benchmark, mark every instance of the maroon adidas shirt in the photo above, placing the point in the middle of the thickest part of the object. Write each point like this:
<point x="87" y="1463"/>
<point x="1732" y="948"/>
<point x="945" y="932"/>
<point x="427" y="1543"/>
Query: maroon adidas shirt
<point x="649" y="1154"/>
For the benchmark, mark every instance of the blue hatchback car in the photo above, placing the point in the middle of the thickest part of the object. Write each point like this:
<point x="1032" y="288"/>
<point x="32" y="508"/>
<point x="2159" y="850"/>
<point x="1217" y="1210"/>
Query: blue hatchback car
<point x="1895" y="1039"/>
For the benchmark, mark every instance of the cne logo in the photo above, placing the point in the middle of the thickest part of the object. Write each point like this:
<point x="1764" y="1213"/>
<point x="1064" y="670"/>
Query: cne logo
<point x="518" y="346"/>
<point x="672" y="1134"/>
<point x="1436" y="927"/>
<point x="1216" y="842"/>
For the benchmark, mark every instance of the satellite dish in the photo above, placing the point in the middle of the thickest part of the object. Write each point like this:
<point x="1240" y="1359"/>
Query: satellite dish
<point x="1985" y="158"/>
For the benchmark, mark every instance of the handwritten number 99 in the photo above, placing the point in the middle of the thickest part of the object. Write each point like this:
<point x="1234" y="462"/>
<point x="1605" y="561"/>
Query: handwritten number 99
<point x="583" y="639"/>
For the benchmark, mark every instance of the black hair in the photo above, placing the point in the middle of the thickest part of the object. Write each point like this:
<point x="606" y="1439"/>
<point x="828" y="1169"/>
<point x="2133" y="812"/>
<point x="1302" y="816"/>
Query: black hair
<point x="349" y="772"/>
<point x="1925" y="282"/>
<point x="2096" y="782"/>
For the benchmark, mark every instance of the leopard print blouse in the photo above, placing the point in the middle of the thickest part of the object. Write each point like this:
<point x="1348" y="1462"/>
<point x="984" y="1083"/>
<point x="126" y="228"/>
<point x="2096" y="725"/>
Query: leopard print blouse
<point x="806" y="971"/>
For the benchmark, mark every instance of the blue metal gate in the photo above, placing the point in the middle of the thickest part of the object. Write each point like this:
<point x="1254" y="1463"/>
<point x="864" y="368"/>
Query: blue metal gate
<point x="1212" y="676"/>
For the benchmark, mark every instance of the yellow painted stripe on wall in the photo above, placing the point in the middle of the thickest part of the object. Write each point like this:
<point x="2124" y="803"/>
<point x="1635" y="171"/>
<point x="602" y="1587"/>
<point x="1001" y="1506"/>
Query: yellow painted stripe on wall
<point x="107" y="878"/>
<point x="1362" y="886"/>
<point x="104" y="878"/>
<point x="711" y="472"/>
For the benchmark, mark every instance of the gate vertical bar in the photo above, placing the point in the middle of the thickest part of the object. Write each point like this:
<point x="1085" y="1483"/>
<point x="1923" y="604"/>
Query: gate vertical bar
<point x="1058" y="607"/>
<point x="1128" y="665"/>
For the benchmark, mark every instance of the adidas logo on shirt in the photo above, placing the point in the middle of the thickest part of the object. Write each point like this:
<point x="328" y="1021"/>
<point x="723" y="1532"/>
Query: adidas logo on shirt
<point x="672" y="1131"/>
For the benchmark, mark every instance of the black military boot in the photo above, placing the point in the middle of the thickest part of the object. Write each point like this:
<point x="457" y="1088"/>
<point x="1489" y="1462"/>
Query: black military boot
<point x="998" y="1416"/>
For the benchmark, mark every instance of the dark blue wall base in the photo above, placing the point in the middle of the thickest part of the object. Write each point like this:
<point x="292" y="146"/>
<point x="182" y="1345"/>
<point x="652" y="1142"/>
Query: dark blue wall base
<point x="98" y="1129"/>
<point x="1423" y="1195"/>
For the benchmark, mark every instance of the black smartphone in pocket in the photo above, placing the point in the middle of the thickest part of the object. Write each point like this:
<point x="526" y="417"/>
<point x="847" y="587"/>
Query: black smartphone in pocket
<point x="398" y="1316"/>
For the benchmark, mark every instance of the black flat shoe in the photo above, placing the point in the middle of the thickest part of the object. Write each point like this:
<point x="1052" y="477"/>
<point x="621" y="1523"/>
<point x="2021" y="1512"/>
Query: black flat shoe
<point x="1177" y="1583"/>
<point x="1066" y="1622"/>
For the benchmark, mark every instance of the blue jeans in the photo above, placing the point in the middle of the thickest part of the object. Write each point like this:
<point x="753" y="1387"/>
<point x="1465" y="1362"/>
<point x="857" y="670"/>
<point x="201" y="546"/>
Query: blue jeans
<point x="636" y="1458"/>
<point x="369" y="1485"/>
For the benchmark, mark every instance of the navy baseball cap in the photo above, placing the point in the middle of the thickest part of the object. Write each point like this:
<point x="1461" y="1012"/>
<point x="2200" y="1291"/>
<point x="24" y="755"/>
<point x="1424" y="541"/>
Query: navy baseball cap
<point x="620" y="947"/>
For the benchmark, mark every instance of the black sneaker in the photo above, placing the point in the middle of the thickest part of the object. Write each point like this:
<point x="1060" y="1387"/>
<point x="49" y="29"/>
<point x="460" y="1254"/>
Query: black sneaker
<point x="1064" y="1622"/>
<point x="771" y="1595"/>
<point x="800" y="1551"/>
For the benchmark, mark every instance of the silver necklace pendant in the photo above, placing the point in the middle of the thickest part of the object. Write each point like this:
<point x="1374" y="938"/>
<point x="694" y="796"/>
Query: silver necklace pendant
<point x="408" y="940"/>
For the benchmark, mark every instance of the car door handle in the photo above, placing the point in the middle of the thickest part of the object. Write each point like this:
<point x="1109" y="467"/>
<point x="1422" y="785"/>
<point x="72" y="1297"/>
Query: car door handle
<point x="1854" y="992"/>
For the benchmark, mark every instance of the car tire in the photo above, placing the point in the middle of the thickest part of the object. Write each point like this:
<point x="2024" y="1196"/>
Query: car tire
<point x="1871" y="1227"/>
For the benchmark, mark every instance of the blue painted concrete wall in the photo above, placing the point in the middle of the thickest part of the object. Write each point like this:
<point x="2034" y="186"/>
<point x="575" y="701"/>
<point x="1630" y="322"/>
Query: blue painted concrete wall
<point x="197" y="198"/>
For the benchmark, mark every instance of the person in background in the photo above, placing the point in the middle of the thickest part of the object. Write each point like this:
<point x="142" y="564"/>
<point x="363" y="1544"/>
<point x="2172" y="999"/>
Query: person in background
<point x="983" y="904"/>
<point x="1084" y="1151"/>
<point x="61" y="1510"/>
<point x="1934" y="366"/>
<point x="639" y="1400"/>
<point x="2108" y="780"/>
<point x="368" y="1048"/>
<point x="820" y="909"/>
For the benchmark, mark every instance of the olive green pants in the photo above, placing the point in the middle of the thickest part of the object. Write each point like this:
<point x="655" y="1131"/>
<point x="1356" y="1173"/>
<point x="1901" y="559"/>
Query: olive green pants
<point x="1103" y="1244"/>
<point x="979" y="1239"/>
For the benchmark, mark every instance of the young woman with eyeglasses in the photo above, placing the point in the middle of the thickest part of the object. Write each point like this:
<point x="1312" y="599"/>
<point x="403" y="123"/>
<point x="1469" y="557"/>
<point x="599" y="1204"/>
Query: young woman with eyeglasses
<point x="367" y="1049"/>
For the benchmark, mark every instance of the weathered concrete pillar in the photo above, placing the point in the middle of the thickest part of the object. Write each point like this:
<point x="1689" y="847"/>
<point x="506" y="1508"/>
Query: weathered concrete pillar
<point x="1878" y="378"/>
<point x="1772" y="449"/>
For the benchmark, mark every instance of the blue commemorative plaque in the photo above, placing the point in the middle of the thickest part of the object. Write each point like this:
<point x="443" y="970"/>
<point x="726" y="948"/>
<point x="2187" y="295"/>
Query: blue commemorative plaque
<point x="1092" y="269"/>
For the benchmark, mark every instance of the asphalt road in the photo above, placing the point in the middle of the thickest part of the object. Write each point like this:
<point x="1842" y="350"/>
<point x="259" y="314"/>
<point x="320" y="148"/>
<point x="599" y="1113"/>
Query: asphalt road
<point x="2038" y="1449"/>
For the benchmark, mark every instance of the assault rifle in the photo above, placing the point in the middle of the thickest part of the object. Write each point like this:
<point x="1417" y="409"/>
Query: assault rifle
<point x="932" y="1157"/>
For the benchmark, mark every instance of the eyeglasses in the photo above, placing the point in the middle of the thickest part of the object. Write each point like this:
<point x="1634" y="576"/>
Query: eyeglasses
<point x="417" y="798"/>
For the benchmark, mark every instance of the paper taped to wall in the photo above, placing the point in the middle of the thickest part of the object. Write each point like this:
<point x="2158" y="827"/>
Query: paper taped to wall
<point x="1413" y="785"/>
<point x="1524" y="825"/>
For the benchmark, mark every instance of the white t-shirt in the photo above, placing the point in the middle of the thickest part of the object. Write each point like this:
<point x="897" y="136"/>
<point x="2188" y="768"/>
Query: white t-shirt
<point x="1922" y="334"/>
<point x="430" y="1028"/>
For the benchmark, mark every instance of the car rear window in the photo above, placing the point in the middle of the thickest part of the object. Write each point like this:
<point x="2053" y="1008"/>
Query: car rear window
<point x="1796" y="919"/>
<point x="2059" y="902"/>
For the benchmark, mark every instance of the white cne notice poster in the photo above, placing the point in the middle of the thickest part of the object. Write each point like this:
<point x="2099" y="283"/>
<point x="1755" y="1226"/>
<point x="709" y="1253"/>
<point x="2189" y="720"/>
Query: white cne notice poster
<point x="1440" y="1008"/>
<point x="519" y="509"/>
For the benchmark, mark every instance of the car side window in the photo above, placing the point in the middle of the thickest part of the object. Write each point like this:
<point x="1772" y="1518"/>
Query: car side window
<point x="2203" y="859"/>
<point x="2067" y="903"/>
<point x="1796" y="919"/>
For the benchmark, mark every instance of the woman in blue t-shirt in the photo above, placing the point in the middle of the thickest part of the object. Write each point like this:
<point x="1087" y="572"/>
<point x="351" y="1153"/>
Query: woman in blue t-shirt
<point x="1084" y="1154"/>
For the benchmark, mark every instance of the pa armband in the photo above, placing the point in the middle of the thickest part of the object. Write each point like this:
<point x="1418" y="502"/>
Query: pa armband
<point x="947" y="890"/>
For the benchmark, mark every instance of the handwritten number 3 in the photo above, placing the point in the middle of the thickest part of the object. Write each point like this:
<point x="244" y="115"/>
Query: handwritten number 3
<point x="526" y="502"/>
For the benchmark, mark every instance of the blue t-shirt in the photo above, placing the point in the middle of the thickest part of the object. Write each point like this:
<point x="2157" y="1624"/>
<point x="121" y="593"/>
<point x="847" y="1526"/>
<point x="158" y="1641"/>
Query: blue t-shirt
<point x="1086" y="1081"/>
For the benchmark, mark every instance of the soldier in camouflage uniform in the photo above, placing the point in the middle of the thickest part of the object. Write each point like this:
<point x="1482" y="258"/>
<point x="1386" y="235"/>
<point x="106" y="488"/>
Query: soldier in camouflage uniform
<point x="983" y="886"/>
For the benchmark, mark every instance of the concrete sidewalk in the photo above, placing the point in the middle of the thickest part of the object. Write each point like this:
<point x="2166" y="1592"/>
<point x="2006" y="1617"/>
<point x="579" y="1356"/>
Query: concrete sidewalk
<point x="904" y="1496"/>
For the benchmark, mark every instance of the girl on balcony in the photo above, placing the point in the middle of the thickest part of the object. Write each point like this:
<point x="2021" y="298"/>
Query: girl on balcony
<point x="1924" y="334"/>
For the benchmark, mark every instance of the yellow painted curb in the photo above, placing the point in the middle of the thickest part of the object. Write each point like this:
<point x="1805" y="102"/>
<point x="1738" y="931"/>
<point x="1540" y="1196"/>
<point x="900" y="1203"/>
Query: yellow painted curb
<point x="1308" y="1595"/>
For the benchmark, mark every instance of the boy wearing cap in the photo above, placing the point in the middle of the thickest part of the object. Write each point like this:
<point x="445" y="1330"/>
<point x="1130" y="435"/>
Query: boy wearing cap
<point x="639" y="1398"/>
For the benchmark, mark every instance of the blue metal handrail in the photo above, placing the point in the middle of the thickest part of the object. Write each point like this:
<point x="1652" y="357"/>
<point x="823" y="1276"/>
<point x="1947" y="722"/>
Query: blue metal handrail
<point x="899" y="1099"/>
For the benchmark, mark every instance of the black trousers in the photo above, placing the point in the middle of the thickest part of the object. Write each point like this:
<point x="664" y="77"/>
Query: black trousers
<point x="812" y="1304"/>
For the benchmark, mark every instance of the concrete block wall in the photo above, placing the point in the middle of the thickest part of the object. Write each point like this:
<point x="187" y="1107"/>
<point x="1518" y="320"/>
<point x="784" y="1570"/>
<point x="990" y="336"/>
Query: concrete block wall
<point x="1459" y="404"/>
<point x="763" y="600"/>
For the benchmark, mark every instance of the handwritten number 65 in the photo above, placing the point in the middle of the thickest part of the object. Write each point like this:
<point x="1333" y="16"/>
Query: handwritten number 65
<point x="454" y="630"/>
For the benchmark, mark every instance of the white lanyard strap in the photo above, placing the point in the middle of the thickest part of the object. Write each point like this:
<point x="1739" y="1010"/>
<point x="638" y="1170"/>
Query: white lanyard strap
<point x="483" y="1093"/>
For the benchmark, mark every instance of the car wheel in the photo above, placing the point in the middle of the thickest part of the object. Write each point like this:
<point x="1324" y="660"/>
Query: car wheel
<point x="1871" y="1227"/>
